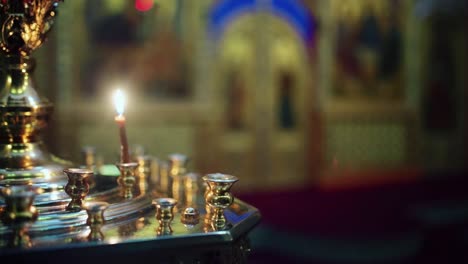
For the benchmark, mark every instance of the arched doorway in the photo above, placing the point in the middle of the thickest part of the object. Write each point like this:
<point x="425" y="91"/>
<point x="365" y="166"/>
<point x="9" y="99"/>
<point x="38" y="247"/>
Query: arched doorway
<point x="262" y="78"/>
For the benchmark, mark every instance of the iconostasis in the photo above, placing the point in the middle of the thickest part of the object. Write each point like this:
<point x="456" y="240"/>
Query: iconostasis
<point x="278" y="93"/>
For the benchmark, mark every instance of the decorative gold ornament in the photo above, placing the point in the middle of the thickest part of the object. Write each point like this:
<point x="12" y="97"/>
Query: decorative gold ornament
<point x="23" y="113"/>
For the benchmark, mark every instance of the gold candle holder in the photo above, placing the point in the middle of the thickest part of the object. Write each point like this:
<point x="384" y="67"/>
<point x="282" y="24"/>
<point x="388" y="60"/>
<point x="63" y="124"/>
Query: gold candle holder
<point x="19" y="213"/>
<point x="96" y="220"/>
<point x="164" y="180"/>
<point x="77" y="187"/>
<point x="155" y="176"/>
<point x="218" y="197"/>
<point x="177" y="172"/>
<point x="127" y="178"/>
<point x="144" y="172"/>
<point x="164" y="214"/>
<point x="191" y="189"/>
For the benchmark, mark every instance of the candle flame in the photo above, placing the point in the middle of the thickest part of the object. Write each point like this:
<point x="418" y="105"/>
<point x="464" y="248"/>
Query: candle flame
<point x="119" y="101"/>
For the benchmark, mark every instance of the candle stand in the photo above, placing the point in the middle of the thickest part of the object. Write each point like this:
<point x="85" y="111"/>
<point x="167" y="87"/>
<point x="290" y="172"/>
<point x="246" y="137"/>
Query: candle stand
<point x="148" y="210"/>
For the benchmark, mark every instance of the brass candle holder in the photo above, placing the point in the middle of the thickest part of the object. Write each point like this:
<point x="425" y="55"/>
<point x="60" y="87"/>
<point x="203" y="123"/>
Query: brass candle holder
<point x="191" y="189"/>
<point x="77" y="187"/>
<point x="155" y="175"/>
<point x="19" y="213"/>
<point x="164" y="214"/>
<point x="96" y="220"/>
<point x="177" y="172"/>
<point x="164" y="178"/>
<point x="127" y="178"/>
<point x="144" y="171"/>
<point x="26" y="165"/>
<point x="218" y="197"/>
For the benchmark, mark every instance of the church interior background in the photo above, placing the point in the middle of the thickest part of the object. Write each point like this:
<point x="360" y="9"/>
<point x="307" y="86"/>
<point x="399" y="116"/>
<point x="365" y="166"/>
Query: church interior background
<point x="348" y="115"/>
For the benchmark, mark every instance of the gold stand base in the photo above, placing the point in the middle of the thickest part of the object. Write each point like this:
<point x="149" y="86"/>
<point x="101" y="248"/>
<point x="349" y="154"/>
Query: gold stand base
<point x="29" y="163"/>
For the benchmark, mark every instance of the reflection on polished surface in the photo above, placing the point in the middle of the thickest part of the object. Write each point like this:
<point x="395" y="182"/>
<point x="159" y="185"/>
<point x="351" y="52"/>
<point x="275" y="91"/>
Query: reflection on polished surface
<point x="19" y="213"/>
<point x="127" y="221"/>
<point x="112" y="219"/>
<point x="95" y="219"/>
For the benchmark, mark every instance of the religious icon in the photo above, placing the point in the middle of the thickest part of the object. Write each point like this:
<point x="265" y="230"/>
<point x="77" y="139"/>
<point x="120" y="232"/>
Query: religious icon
<point x="368" y="50"/>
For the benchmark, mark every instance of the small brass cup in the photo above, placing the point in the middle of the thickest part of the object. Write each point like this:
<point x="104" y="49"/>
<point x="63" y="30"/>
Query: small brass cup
<point x="218" y="197"/>
<point x="164" y="214"/>
<point x="191" y="188"/>
<point x="144" y="172"/>
<point x="164" y="183"/>
<point x="127" y="178"/>
<point x="77" y="187"/>
<point x="177" y="172"/>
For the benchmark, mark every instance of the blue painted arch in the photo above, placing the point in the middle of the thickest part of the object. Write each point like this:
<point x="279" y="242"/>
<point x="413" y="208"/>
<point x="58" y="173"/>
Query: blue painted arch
<point x="293" y="12"/>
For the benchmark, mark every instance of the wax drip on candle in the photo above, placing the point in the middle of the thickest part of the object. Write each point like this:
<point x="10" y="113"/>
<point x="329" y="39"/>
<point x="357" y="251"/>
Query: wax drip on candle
<point x="119" y="102"/>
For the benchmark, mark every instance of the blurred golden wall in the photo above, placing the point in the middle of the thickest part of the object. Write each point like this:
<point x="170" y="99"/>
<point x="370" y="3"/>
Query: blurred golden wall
<point x="259" y="102"/>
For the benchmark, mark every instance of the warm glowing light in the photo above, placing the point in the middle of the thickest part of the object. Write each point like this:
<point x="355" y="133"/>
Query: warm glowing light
<point x="113" y="240"/>
<point x="119" y="101"/>
<point x="47" y="174"/>
<point x="144" y="5"/>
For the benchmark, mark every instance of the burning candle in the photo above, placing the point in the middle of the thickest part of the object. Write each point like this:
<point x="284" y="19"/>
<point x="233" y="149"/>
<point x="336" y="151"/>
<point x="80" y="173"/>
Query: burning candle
<point x="119" y="102"/>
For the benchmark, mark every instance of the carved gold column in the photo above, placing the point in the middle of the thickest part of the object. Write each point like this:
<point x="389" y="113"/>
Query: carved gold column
<point x="23" y="113"/>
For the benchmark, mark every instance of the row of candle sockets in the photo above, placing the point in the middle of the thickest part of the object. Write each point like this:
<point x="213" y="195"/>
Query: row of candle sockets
<point x="171" y="178"/>
<point x="217" y="198"/>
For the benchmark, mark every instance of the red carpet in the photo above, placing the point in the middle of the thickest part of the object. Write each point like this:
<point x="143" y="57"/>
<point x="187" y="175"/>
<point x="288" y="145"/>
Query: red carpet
<point x="412" y="209"/>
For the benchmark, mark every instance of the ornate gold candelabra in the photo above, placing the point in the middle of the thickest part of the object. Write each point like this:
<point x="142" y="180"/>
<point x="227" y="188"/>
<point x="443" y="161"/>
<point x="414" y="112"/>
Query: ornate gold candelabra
<point x="23" y="113"/>
<point x="119" y="207"/>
